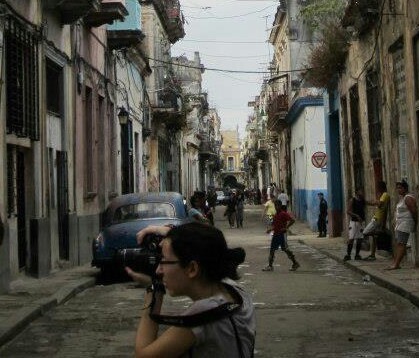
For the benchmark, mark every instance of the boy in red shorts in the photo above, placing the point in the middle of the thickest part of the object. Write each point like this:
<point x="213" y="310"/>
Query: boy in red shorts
<point x="281" y="222"/>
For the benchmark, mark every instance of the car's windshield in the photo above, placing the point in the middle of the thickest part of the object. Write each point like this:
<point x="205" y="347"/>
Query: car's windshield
<point x="143" y="211"/>
<point x="220" y="193"/>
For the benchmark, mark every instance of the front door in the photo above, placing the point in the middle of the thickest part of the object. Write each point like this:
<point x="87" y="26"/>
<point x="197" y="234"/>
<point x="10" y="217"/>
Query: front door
<point x="62" y="202"/>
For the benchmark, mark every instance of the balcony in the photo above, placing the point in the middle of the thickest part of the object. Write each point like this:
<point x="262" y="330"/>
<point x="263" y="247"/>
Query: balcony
<point x="207" y="150"/>
<point x="127" y="33"/>
<point x="168" y="111"/>
<point x="72" y="10"/>
<point x="172" y="18"/>
<point x="277" y="110"/>
<point x="361" y="15"/>
<point x="175" y="27"/>
<point x="108" y="12"/>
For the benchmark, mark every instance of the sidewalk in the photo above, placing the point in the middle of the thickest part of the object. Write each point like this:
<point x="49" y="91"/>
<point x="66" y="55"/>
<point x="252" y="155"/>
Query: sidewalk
<point x="404" y="282"/>
<point x="30" y="297"/>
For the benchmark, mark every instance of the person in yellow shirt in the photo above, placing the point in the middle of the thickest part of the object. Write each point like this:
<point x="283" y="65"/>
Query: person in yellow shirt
<point x="269" y="211"/>
<point x="378" y="221"/>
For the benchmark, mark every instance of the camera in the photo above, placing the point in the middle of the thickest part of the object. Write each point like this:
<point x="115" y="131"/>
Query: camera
<point x="145" y="258"/>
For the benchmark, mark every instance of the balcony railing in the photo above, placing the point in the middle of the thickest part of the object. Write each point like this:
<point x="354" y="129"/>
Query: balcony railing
<point x="172" y="18"/>
<point x="127" y="33"/>
<point x="108" y="12"/>
<point x="207" y="149"/>
<point x="361" y="15"/>
<point x="72" y="10"/>
<point x="277" y="111"/>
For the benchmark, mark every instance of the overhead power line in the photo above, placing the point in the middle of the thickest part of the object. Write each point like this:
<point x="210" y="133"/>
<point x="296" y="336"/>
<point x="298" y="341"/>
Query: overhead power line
<point x="223" y="70"/>
<point x="230" y="17"/>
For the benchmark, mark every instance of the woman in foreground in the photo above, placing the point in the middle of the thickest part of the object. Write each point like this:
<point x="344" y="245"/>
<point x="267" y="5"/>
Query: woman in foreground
<point x="197" y="263"/>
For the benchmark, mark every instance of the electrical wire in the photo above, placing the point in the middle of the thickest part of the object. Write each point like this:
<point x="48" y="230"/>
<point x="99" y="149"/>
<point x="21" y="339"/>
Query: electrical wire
<point x="223" y="56"/>
<point x="224" y="70"/>
<point x="230" y="17"/>
<point x="226" y="42"/>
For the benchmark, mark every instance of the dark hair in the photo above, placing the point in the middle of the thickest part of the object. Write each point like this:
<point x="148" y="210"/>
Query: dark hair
<point x="382" y="186"/>
<point x="403" y="184"/>
<point x="278" y="205"/>
<point x="320" y="194"/>
<point x="207" y="246"/>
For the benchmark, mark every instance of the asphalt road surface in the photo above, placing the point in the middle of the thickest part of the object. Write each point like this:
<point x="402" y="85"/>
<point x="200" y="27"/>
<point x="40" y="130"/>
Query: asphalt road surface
<point x="321" y="310"/>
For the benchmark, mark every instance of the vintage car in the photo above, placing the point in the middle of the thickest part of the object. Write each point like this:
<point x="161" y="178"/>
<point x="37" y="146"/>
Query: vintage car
<point x="128" y="214"/>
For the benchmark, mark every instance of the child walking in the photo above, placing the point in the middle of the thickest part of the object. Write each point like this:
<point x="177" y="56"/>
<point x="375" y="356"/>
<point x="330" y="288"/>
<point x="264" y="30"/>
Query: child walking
<point x="281" y="222"/>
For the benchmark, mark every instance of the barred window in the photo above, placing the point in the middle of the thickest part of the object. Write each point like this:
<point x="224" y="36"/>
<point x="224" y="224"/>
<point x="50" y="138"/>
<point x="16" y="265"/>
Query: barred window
<point x="22" y="117"/>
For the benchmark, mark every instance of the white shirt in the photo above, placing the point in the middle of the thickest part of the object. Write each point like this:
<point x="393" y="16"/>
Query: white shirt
<point x="283" y="197"/>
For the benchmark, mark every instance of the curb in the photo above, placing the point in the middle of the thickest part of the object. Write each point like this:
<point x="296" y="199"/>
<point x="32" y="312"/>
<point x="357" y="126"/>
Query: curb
<point x="377" y="277"/>
<point x="19" y="320"/>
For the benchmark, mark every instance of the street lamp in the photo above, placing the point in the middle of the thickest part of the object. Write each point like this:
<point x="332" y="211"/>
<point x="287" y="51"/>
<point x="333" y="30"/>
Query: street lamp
<point x="123" y="115"/>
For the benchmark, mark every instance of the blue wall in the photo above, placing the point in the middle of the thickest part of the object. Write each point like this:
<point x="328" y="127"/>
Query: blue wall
<point x="132" y="21"/>
<point x="306" y="205"/>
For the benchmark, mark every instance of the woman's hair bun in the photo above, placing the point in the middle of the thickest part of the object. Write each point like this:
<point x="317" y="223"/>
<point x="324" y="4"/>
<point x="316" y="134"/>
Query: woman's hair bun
<point x="236" y="255"/>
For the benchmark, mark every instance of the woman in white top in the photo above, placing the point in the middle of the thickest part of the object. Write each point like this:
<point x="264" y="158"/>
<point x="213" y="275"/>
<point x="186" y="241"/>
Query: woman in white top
<point x="197" y="263"/>
<point x="406" y="219"/>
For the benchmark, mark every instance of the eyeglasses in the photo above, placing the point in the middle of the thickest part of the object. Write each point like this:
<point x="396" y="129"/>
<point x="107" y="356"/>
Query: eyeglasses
<point x="168" y="262"/>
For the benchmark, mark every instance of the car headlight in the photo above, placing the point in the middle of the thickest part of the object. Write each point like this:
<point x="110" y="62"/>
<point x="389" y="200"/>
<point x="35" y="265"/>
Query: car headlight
<point x="98" y="243"/>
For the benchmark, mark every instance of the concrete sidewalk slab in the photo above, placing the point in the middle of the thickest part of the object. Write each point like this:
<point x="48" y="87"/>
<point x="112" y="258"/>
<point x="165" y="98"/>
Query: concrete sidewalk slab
<point x="30" y="298"/>
<point x="404" y="282"/>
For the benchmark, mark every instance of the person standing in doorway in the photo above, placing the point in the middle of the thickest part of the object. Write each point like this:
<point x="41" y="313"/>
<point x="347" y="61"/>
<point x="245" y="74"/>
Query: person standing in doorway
<point x="406" y="222"/>
<point x="356" y="212"/>
<point x="378" y="221"/>
<point x="280" y="224"/>
<point x="322" y="220"/>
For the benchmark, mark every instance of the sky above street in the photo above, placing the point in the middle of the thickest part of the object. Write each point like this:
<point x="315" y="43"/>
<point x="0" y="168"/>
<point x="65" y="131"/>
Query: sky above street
<point x="229" y="35"/>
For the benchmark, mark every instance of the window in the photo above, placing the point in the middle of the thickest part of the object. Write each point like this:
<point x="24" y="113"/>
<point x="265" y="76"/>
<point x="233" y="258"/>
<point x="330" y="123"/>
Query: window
<point x="54" y="87"/>
<point x="230" y="164"/>
<point x="22" y="117"/>
<point x="373" y="106"/>
<point x="358" y="166"/>
<point x="416" y="64"/>
<point x="89" y="140"/>
<point x="111" y="143"/>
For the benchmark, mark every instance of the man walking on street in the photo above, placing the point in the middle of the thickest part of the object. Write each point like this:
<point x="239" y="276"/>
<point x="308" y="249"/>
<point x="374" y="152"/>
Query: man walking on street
<point x="281" y="222"/>
<point x="378" y="221"/>
<point x="321" y="222"/>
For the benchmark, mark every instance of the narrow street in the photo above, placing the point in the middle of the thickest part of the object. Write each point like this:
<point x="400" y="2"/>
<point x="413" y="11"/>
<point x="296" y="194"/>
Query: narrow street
<point x="321" y="310"/>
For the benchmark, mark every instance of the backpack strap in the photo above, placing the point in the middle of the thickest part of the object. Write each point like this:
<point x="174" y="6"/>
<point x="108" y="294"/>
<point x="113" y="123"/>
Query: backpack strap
<point x="198" y="319"/>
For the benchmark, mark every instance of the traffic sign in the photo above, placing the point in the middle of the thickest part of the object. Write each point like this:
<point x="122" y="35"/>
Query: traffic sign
<point x="319" y="159"/>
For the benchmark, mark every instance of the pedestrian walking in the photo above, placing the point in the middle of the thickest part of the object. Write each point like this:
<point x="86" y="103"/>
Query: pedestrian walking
<point x="322" y="220"/>
<point x="280" y="224"/>
<point x="378" y="222"/>
<point x="356" y="212"/>
<point x="196" y="263"/>
<point x="239" y="210"/>
<point x="230" y="211"/>
<point x="406" y="222"/>
<point x="269" y="212"/>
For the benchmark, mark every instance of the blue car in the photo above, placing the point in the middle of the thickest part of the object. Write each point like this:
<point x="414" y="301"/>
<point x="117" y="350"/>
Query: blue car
<point x="128" y="214"/>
